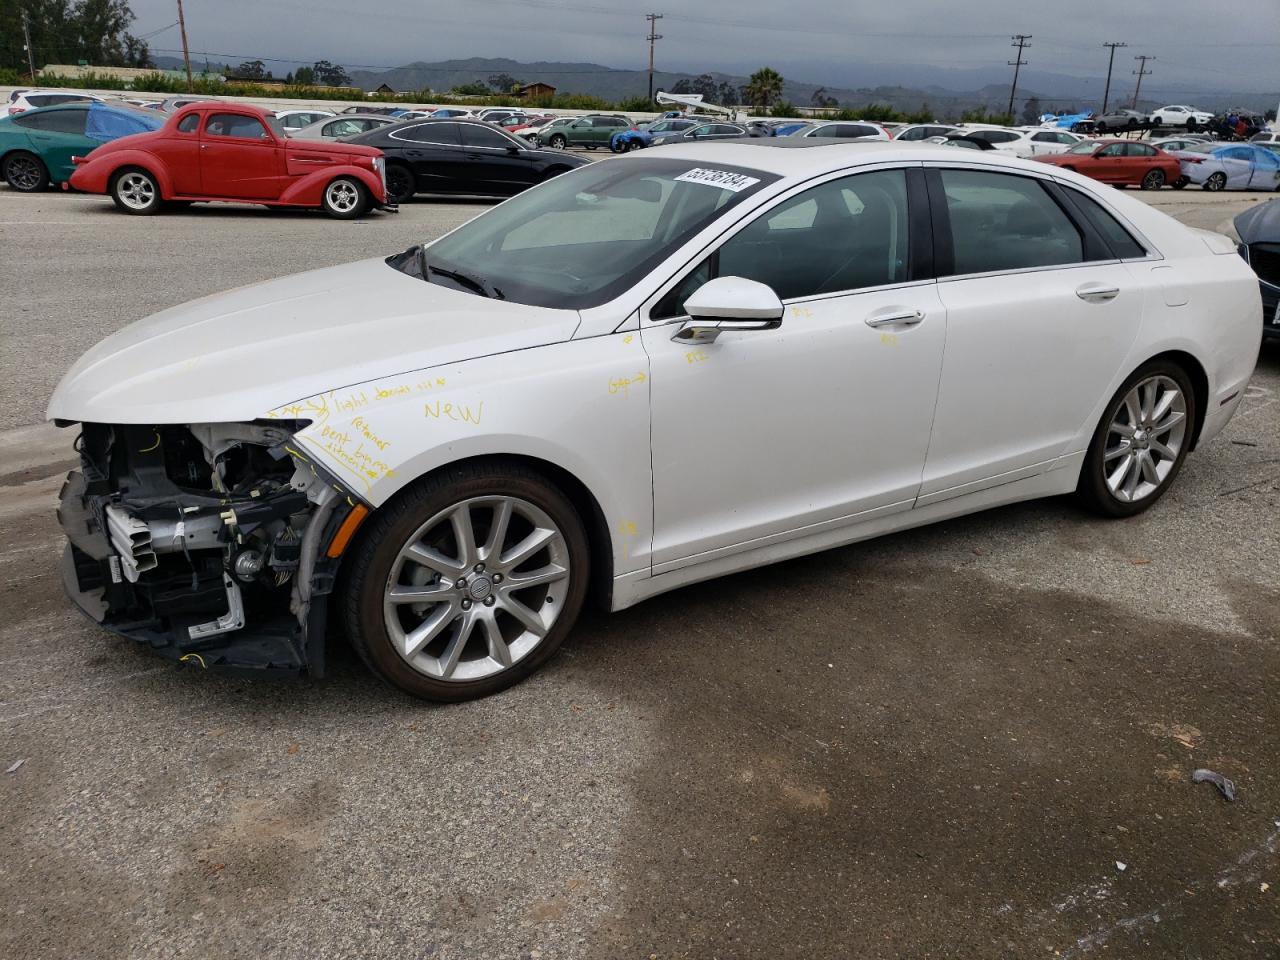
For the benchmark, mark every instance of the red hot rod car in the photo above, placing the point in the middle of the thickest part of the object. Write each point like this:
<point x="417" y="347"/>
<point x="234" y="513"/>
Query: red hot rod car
<point x="235" y="152"/>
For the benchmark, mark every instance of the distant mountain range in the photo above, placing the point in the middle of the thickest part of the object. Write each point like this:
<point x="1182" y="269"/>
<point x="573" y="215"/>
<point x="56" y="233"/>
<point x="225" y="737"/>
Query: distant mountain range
<point x="947" y="92"/>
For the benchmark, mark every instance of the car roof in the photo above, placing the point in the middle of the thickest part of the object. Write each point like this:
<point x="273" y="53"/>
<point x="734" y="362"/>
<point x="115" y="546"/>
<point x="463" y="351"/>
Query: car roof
<point x="787" y="157"/>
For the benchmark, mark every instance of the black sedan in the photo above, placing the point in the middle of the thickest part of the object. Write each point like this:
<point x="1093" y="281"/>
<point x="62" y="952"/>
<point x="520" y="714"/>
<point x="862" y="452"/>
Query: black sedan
<point x="1259" y="230"/>
<point x="457" y="156"/>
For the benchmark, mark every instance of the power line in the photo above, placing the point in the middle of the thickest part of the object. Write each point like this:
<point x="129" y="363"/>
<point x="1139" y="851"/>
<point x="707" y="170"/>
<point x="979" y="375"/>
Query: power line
<point x="1141" y="72"/>
<point x="1019" y="41"/>
<point x="1106" y="94"/>
<point x="653" y="37"/>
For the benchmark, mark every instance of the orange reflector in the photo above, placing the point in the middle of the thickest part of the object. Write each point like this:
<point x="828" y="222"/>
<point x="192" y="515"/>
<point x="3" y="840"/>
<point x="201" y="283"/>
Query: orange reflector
<point x="348" y="529"/>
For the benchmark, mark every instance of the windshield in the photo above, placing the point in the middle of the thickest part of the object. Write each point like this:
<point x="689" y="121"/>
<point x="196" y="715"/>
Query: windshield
<point x="1086" y="147"/>
<point x="588" y="235"/>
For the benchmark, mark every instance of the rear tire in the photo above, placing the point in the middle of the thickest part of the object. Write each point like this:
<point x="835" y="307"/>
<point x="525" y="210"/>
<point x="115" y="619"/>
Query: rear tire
<point x="1154" y="180"/>
<point x="1141" y="442"/>
<point x="345" y="198"/>
<point x="25" y="172"/>
<point x="136" y="192"/>
<point x="472" y="633"/>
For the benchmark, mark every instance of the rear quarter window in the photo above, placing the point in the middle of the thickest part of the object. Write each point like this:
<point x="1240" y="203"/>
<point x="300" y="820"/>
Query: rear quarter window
<point x="1122" y="242"/>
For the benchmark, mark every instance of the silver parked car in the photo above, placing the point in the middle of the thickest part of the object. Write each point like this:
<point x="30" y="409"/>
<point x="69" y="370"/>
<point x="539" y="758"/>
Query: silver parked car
<point x="345" y="125"/>
<point x="1230" y="166"/>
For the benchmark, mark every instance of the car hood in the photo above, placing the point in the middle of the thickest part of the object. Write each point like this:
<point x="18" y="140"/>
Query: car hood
<point x="1260" y="224"/>
<point x="233" y="356"/>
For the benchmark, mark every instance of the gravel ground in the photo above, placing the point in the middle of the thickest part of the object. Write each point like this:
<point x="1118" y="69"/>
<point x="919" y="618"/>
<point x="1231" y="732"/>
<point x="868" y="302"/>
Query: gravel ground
<point x="972" y="740"/>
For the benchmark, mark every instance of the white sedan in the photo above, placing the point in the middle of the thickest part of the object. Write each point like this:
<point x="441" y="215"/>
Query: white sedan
<point x="1180" y="115"/>
<point x="1027" y="142"/>
<point x="642" y="374"/>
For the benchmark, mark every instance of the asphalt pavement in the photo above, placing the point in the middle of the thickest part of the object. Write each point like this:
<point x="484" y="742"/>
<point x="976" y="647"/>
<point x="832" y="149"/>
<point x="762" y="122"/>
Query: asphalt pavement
<point x="974" y="740"/>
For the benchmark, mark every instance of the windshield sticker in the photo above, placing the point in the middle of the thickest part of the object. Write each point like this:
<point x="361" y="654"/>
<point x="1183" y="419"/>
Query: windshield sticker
<point x="718" y="178"/>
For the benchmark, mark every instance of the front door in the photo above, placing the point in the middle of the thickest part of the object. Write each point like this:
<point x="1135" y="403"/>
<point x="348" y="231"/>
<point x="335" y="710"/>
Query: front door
<point x="1266" y="170"/>
<point x="760" y="435"/>
<point x="239" y="158"/>
<point x="494" y="162"/>
<point x="1039" y="319"/>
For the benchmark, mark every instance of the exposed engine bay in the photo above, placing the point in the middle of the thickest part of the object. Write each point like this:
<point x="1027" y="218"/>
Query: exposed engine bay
<point x="206" y="541"/>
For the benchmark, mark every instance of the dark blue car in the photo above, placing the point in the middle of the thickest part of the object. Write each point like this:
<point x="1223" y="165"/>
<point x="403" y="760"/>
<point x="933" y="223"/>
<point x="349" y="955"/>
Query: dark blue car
<point x="625" y="140"/>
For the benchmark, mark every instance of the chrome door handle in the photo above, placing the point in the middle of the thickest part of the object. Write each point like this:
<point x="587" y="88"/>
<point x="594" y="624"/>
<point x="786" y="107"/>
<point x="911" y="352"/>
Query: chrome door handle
<point x="1097" y="292"/>
<point x="901" y="319"/>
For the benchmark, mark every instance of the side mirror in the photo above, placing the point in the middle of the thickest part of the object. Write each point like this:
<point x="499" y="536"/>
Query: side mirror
<point x="729" y="304"/>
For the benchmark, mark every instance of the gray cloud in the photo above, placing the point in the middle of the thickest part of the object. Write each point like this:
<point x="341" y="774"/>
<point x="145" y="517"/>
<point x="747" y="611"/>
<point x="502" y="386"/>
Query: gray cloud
<point x="813" y="40"/>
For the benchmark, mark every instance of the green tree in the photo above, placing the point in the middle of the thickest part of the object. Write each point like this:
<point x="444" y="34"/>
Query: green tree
<point x="252" y="70"/>
<point x="764" y="87"/>
<point x="1031" y="111"/>
<point x="64" y="31"/>
<point x="304" y="77"/>
<point x="330" y="74"/>
<point x="821" y="98"/>
<point x="473" y="89"/>
<point x="503" y="83"/>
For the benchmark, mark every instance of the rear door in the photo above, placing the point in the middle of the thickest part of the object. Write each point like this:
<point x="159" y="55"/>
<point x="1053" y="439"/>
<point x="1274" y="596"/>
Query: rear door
<point x="240" y="159"/>
<point x="57" y="136"/>
<point x="1040" y="315"/>
<point x="1237" y="164"/>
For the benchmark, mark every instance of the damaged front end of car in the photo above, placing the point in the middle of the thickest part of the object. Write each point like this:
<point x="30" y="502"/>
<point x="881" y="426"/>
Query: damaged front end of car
<point x="211" y="543"/>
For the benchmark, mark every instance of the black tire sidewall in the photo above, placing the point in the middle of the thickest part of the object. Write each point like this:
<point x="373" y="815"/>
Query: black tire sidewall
<point x="1092" y="487"/>
<point x="44" y="179"/>
<point x="371" y="558"/>
<point x="558" y="142"/>
<point x="1153" y="180"/>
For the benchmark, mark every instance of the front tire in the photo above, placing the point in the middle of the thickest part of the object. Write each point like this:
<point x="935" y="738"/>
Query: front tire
<point x="25" y="172"/>
<point x="135" y="191"/>
<point x="467" y="582"/>
<point x="1153" y="180"/>
<point x="1180" y="183"/>
<point x="1217" y="181"/>
<point x="1141" y="442"/>
<point x="345" y="198"/>
<point x="401" y="185"/>
<point x="558" y="142"/>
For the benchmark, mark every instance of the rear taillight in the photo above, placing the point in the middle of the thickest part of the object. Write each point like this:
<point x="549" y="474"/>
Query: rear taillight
<point x="14" y="110"/>
<point x="1194" y="159"/>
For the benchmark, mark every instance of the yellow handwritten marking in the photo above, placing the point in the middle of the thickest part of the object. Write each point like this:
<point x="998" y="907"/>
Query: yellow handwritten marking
<point x="695" y="356"/>
<point x="627" y="528"/>
<point x="153" y="446"/>
<point x="889" y="339"/>
<point x="193" y="656"/>
<point x="295" y="453"/>
<point x="622" y="385"/>
<point x="361" y="424"/>
<point x="460" y="413"/>
<point x="799" y="311"/>
<point x="627" y="338"/>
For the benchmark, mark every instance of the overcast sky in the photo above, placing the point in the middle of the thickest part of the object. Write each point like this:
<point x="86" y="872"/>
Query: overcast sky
<point x="1196" y="48"/>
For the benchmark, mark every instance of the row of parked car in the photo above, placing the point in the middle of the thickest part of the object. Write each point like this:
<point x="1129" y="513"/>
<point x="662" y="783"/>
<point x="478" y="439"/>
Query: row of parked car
<point x="208" y="149"/>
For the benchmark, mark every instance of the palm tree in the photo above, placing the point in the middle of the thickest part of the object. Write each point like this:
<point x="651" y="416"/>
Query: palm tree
<point x="764" y="87"/>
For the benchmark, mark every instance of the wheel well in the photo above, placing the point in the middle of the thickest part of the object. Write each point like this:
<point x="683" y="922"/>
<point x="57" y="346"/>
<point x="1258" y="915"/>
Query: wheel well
<point x="1199" y="383"/>
<point x="554" y="171"/>
<point x="125" y="168"/>
<point x="599" y="542"/>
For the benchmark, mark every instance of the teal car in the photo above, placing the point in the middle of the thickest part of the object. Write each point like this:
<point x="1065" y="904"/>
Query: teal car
<point x="36" y="146"/>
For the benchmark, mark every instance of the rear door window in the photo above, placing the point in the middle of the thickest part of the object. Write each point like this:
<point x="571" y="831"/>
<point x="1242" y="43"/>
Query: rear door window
<point x="1002" y="222"/>
<point x="445" y="133"/>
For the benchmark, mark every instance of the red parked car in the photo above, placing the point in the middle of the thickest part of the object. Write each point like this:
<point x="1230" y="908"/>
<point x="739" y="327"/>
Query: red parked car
<point x="1121" y="162"/>
<point x="236" y="152"/>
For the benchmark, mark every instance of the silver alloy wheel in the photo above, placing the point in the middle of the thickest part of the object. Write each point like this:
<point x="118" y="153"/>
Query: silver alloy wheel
<point x="24" y="172"/>
<point x="342" y="196"/>
<point x="1144" y="439"/>
<point x="462" y="607"/>
<point x="136" y="190"/>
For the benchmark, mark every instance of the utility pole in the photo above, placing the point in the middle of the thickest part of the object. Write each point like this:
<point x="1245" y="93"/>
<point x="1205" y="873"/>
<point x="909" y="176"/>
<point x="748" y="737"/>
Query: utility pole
<point x="186" y="55"/>
<point x="1141" y="72"/>
<point x="653" y="37"/>
<point x="1019" y="41"/>
<point x="26" y="37"/>
<point x="1106" y="94"/>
